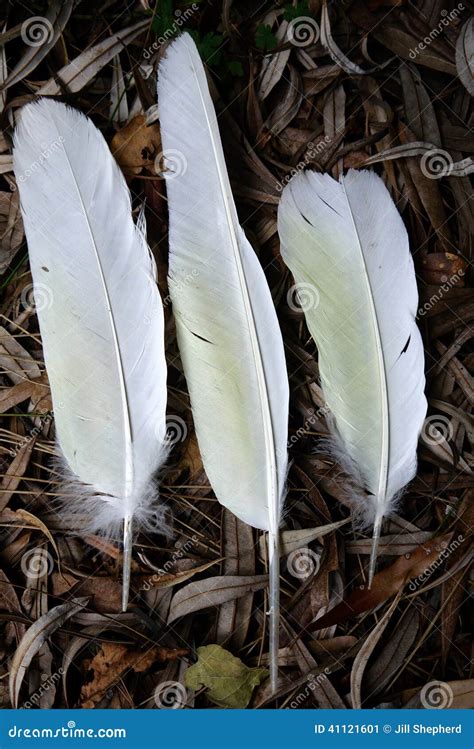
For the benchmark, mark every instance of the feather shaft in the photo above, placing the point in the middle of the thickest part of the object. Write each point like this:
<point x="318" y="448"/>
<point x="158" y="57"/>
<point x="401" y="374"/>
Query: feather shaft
<point x="228" y="334"/>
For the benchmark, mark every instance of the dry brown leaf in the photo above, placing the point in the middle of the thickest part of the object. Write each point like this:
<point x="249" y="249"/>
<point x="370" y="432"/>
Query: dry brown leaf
<point x="9" y="602"/>
<point x="11" y="397"/>
<point x="465" y="55"/>
<point x="15" y="472"/>
<point x="213" y="592"/>
<point x="163" y="579"/>
<point x="436" y="694"/>
<point x="368" y="647"/>
<point x="136" y="145"/>
<point x="34" y="637"/>
<point x="40" y="34"/>
<point x="438" y="268"/>
<point x="105" y="592"/>
<point x="387" y="583"/>
<point x="11" y="228"/>
<point x="85" y="66"/>
<point x="16" y="360"/>
<point x="234" y="616"/>
<point x="114" y="660"/>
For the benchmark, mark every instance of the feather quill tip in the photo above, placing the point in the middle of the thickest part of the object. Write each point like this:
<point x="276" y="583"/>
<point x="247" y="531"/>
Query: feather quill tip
<point x="127" y="560"/>
<point x="374" y="550"/>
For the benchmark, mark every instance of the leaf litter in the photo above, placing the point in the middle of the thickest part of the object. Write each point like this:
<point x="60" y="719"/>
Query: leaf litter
<point x="361" y="89"/>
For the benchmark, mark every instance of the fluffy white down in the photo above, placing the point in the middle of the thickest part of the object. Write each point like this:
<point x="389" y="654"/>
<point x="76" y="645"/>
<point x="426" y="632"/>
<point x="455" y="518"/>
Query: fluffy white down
<point x="100" y="315"/>
<point x="347" y="241"/>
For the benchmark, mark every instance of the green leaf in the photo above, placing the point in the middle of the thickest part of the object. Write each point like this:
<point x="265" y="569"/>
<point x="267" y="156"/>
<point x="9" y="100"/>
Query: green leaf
<point x="265" y="39"/>
<point x="164" y="19"/>
<point x="209" y="46"/>
<point x="230" y="682"/>
<point x="235" y="68"/>
<point x="292" y="11"/>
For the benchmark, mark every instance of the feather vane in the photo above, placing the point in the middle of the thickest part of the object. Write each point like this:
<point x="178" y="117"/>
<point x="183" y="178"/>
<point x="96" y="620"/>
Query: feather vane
<point x="347" y="240"/>
<point x="102" y="328"/>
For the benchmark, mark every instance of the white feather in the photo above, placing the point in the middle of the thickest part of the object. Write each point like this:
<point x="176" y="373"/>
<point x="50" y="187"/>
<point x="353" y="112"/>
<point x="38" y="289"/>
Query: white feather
<point x="100" y="316"/>
<point x="228" y="334"/>
<point x="347" y="241"/>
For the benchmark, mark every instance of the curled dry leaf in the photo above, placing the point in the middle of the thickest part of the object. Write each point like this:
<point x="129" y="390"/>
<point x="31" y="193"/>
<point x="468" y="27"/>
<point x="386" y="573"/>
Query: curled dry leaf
<point x="136" y="145"/>
<point x="76" y="74"/>
<point x="50" y="27"/>
<point x="15" y="471"/>
<point x="9" y="602"/>
<point x="234" y="616"/>
<point x="368" y="647"/>
<point x="436" y="694"/>
<point x="465" y="55"/>
<point x="387" y="583"/>
<point x="34" y="637"/>
<point x="163" y="579"/>
<point x="113" y="661"/>
<point x="392" y="655"/>
<point x="11" y="228"/>
<point x="213" y="592"/>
